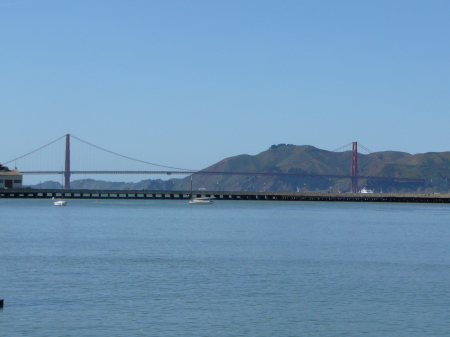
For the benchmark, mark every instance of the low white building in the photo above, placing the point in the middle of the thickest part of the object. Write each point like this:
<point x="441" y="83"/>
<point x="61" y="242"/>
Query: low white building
<point x="10" y="178"/>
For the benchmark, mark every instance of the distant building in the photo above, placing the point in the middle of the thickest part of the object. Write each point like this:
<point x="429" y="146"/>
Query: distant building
<point x="10" y="178"/>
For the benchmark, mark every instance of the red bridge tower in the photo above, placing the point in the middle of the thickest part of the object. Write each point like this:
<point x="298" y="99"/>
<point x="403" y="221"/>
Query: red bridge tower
<point x="67" y="164"/>
<point x="354" y="167"/>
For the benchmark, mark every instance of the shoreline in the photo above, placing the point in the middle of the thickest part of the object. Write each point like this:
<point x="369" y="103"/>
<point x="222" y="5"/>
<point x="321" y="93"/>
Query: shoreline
<point x="224" y="195"/>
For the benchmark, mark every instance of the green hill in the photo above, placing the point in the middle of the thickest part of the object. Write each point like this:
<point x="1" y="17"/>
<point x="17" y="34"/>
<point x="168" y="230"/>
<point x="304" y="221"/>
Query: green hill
<point x="311" y="160"/>
<point x="305" y="159"/>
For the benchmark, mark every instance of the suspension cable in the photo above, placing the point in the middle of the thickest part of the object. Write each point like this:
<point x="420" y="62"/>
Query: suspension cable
<point x="34" y="150"/>
<point x="365" y="148"/>
<point x="137" y="160"/>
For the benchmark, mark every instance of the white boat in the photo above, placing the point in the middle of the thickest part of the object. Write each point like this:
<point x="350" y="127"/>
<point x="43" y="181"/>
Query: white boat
<point x="59" y="202"/>
<point x="205" y="200"/>
<point x="365" y="190"/>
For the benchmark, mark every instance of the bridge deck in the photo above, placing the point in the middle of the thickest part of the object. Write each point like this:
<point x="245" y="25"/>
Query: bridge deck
<point x="224" y="195"/>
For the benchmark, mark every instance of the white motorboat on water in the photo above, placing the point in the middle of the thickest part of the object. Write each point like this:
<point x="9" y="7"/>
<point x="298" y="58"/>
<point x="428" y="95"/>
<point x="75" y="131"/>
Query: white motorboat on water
<point x="365" y="190"/>
<point x="205" y="200"/>
<point x="59" y="202"/>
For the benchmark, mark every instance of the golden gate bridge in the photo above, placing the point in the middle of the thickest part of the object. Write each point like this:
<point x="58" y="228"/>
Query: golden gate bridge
<point x="68" y="170"/>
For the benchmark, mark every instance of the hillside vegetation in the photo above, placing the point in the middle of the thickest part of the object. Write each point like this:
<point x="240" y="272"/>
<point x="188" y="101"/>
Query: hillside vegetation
<point x="306" y="159"/>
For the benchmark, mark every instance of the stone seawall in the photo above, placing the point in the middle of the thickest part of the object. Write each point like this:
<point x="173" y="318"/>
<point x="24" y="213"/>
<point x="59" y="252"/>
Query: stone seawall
<point x="224" y="195"/>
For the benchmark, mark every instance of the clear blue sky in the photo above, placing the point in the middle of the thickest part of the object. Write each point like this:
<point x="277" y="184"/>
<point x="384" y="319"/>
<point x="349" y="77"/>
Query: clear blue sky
<point x="188" y="83"/>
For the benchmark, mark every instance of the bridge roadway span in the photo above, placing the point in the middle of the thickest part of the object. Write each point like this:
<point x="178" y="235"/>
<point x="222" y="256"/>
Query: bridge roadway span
<point x="233" y="173"/>
<point x="224" y="195"/>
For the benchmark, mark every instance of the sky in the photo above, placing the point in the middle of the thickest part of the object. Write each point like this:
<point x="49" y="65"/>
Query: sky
<point x="189" y="83"/>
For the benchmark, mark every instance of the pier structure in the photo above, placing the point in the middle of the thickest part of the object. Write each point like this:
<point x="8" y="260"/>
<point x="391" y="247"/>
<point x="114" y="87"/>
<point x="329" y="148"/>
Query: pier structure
<point x="224" y="195"/>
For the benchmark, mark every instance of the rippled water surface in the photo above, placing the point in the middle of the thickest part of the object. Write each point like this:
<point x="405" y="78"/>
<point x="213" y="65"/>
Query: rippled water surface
<point x="235" y="268"/>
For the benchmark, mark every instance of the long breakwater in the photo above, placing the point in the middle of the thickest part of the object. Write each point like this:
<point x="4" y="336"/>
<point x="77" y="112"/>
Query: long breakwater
<point x="225" y="195"/>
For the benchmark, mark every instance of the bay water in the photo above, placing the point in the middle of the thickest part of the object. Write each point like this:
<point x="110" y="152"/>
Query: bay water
<point x="234" y="268"/>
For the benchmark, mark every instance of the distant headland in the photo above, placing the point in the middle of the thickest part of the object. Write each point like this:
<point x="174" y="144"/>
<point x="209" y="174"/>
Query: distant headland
<point x="293" y="168"/>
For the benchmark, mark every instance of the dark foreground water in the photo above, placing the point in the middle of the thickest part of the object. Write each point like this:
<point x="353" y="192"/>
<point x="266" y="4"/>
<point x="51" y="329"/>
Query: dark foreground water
<point x="235" y="268"/>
